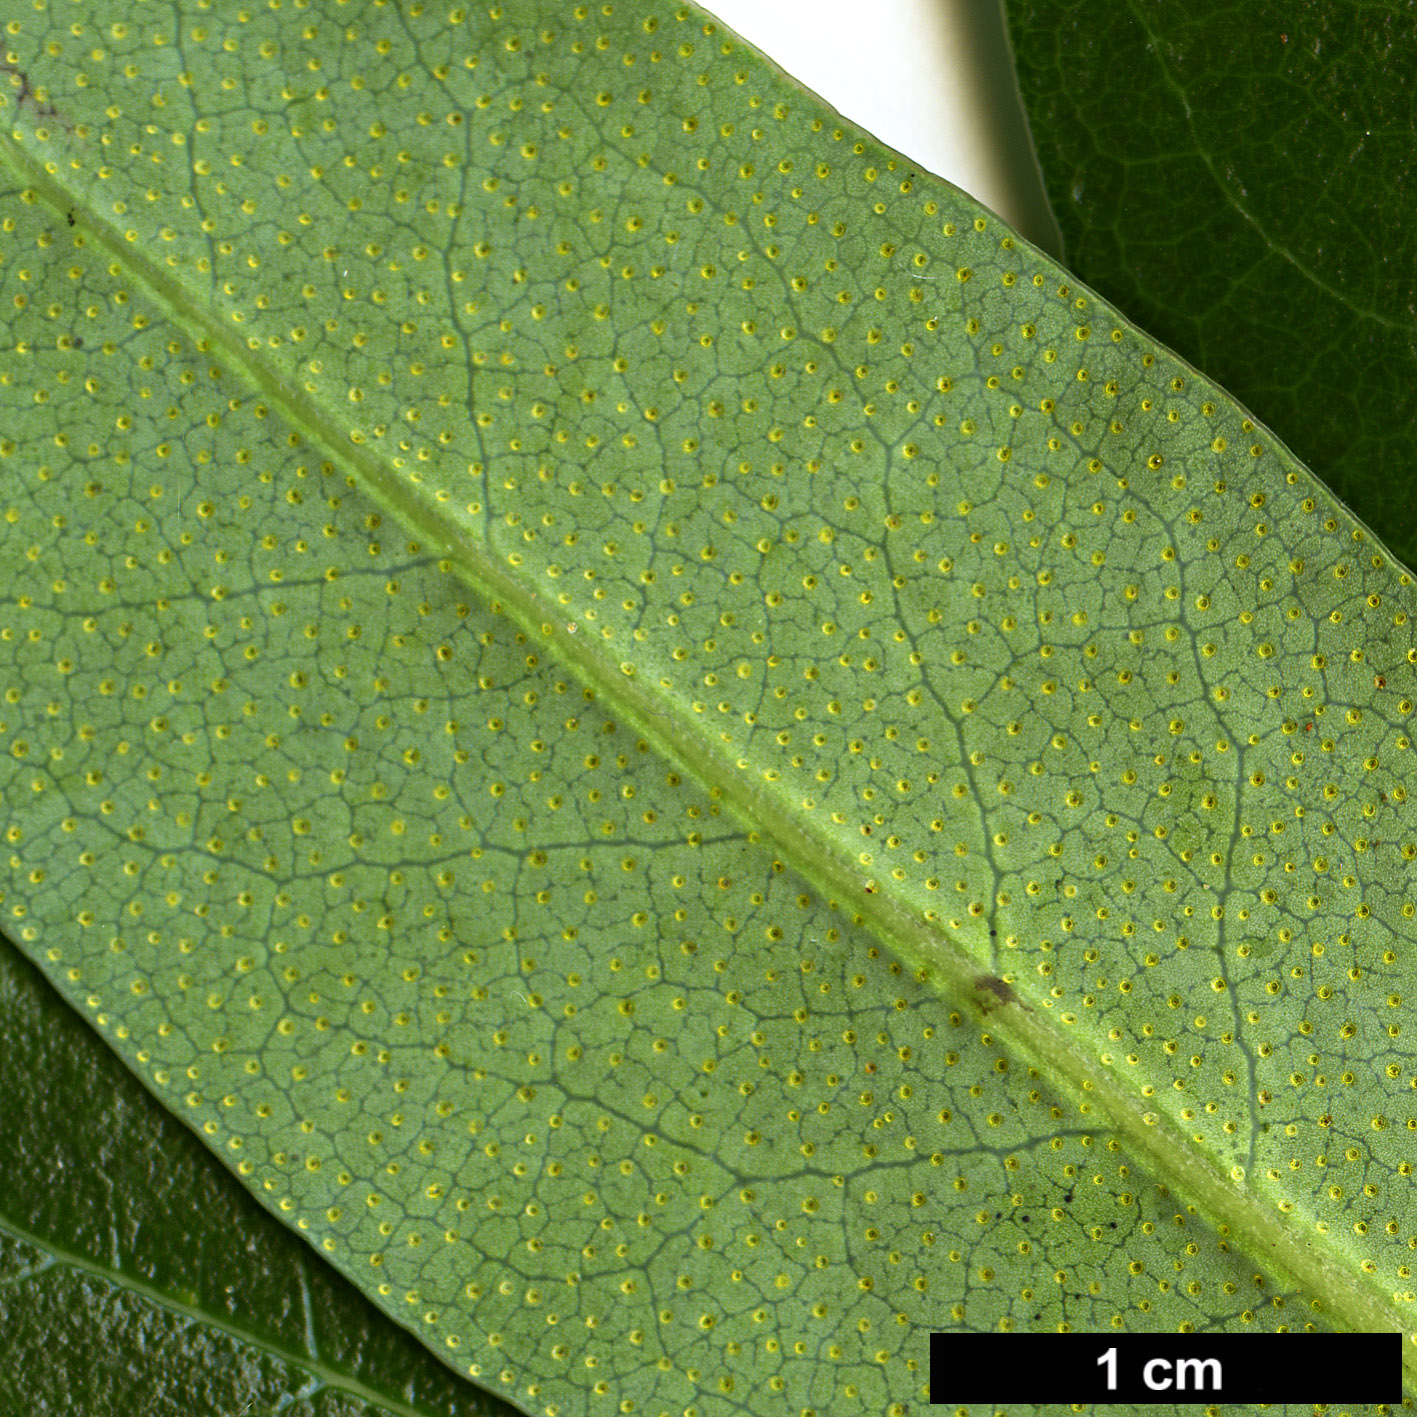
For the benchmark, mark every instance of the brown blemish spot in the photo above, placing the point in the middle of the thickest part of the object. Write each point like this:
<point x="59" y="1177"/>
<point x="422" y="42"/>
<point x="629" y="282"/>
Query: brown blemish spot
<point x="25" y="94"/>
<point x="992" y="985"/>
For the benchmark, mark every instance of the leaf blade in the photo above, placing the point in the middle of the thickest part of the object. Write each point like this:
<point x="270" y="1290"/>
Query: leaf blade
<point x="832" y="526"/>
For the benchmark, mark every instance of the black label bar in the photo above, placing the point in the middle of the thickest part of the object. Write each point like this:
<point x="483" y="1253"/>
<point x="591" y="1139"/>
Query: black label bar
<point x="1178" y="1368"/>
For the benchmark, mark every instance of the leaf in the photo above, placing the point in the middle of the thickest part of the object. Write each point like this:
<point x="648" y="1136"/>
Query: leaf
<point x="157" y="1277"/>
<point x="1240" y="180"/>
<point x="690" y="778"/>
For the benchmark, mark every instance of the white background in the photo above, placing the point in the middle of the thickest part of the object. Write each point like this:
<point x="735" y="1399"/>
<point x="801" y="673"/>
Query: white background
<point x="932" y="78"/>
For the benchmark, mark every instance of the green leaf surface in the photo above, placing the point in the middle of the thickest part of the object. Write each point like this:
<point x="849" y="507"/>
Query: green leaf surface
<point x="1240" y="180"/>
<point x="688" y="759"/>
<point x="154" y="1276"/>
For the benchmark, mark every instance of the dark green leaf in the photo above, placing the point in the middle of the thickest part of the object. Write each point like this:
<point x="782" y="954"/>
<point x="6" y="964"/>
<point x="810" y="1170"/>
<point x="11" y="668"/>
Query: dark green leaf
<point x="1241" y="180"/>
<point x="138" y="1277"/>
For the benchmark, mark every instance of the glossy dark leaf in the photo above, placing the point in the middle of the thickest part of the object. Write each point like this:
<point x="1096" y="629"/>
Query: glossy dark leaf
<point x="137" y="1276"/>
<point x="1241" y="180"/>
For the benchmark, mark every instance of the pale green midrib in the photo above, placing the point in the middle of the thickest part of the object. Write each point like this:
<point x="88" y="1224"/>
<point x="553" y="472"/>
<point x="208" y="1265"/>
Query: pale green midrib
<point x="130" y="1284"/>
<point x="1347" y="1301"/>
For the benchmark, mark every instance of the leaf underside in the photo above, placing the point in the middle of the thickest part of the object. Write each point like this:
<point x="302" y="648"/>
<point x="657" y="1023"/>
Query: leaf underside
<point x="674" y="746"/>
